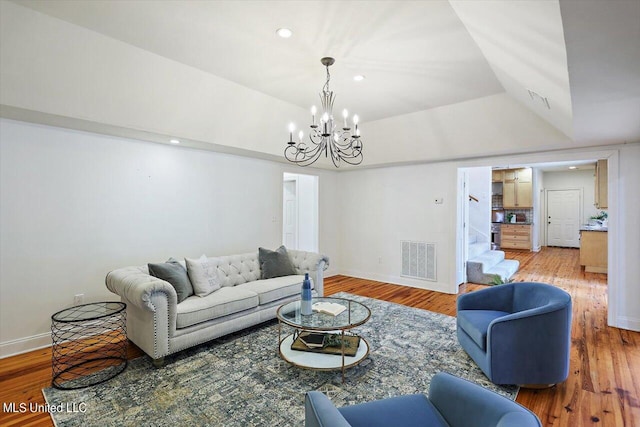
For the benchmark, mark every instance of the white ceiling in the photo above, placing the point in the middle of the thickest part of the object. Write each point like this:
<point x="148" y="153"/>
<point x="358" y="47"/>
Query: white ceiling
<point x="415" y="55"/>
<point x="423" y="60"/>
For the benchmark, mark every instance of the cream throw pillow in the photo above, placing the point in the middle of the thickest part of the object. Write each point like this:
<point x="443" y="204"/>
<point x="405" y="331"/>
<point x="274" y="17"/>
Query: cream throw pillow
<point x="203" y="276"/>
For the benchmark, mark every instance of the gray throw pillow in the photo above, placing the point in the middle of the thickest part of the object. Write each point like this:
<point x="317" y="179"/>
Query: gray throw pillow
<point x="275" y="263"/>
<point x="174" y="273"/>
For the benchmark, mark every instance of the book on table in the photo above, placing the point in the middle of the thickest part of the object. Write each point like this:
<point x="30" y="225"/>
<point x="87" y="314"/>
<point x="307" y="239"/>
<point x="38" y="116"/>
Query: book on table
<point x="331" y="308"/>
<point x="312" y="340"/>
<point x="332" y="344"/>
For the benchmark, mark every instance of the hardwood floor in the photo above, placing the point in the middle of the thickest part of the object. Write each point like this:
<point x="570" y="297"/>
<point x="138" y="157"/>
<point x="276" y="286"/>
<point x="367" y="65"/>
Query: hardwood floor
<point x="603" y="387"/>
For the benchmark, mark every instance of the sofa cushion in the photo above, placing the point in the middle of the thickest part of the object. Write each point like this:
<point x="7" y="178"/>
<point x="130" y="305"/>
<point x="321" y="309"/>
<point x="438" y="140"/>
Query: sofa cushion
<point x="174" y="273"/>
<point x="224" y="301"/>
<point x="270" y="290"/>
<point x="203" y="275"/>
<point x="275" y="263"/>
<point x="476" y="322"/>
<point x="407" y="411"/>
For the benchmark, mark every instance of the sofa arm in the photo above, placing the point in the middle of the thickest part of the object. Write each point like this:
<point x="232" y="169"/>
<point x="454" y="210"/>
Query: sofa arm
<point x="463" y="403"/>
<point x="312" y="263"/>
<point x="320" y="412"/>
<point x="135" y="286"/>
<point x="308" y="262"/>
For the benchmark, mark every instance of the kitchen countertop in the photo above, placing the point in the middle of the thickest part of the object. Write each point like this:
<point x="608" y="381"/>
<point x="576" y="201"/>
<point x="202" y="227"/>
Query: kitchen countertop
<point x="593" y="228"/>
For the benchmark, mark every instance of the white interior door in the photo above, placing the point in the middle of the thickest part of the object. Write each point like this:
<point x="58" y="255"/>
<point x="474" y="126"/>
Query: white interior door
<point x="563" y="218"/>
<point x="290" y="214"/>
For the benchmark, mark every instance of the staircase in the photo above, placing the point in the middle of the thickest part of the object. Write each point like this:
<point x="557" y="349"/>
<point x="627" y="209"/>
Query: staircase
<point x="484" y="264"/>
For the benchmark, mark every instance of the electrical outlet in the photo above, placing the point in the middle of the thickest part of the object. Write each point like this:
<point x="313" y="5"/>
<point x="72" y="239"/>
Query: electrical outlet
<point x="78" y="299"/>
<point x="379" y="260"/>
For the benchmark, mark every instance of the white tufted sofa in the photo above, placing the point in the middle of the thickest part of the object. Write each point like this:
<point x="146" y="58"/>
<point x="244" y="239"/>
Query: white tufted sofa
<point x="160" y="326"/>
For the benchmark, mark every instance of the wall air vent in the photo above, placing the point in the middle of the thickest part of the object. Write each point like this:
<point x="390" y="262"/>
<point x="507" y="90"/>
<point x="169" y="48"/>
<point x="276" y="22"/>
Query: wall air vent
<point x="536" y="97"/>
<point x="419" y="260"/>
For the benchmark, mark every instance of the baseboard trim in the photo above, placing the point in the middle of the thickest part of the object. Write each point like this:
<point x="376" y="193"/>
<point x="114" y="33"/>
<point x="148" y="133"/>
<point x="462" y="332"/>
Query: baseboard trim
<point x="630" y="323"/>
<point x="330" y="272"/>
<point x="398" y="280"/>
<point x="25" y="345"/>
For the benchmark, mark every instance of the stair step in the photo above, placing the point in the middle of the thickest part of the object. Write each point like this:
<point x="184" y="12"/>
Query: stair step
<point x="476" y="249"/>
<point x="488" y="259"/>
<point x="479" y="272"/>
<point x="504" y="269"/>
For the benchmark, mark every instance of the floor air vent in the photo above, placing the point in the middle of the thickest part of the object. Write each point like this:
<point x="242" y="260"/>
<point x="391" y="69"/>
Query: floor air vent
<point x="419" y="260"/>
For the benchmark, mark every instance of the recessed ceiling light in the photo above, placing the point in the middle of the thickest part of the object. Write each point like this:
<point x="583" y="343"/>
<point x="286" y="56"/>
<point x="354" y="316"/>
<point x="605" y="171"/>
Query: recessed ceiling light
<point x="573" y="167"/>
<point x="174" y="141"/>
<point x="285" y="33"/>
<point x="358" y="78"/>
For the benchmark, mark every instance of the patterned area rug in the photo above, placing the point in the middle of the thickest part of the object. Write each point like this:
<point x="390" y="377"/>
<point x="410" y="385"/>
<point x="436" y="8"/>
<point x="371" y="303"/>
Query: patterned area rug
<point x="239" y="380"/>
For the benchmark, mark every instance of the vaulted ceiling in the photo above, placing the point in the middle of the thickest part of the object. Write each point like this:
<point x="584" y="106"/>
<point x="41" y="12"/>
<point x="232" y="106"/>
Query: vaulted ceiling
<point x="443" y="79"/>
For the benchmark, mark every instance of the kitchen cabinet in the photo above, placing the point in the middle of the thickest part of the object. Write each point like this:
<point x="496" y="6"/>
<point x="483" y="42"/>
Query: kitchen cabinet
<point x="497" y="175"/>
<point x="601" y="187"/>
<point x="517" y="190"/>
<point x="515" y="236"/>
<point x="594" y="251"/>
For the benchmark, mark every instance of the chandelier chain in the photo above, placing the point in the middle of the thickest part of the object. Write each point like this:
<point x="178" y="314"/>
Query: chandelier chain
<point x="326" y="84"/>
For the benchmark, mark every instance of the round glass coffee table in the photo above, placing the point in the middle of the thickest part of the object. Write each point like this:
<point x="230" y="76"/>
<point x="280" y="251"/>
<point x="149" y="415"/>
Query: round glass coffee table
<point x="346" y="349"/>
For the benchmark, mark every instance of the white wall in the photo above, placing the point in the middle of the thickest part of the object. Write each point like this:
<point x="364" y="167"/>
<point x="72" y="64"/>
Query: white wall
<point x="75" y="205"/>
<point x="538" y="214"/>
<point x="623" y="219"/>
<point x="381" y="207"/>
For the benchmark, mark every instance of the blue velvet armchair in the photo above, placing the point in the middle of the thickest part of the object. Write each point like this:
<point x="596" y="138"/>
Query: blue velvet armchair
<point x="518" y="333"/>
<point x="452" y="402"/>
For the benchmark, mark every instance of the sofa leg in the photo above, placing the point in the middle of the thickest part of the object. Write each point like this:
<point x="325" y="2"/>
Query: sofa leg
<point x="158" y="363"/>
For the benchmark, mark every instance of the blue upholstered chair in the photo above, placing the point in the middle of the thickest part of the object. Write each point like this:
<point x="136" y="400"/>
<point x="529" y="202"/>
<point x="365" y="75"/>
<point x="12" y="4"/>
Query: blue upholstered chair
<point x="518" y="333"/>
<point x="452" y="402"/>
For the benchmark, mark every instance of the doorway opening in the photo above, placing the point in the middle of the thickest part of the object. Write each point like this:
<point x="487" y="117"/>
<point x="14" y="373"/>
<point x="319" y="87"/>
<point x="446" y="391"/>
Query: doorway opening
<point x="545" y="166"/>
<point x="300" y="212"/>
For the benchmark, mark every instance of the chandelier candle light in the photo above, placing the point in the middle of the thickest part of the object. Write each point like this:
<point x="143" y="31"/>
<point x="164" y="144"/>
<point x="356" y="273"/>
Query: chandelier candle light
<point x="341" y="144"/>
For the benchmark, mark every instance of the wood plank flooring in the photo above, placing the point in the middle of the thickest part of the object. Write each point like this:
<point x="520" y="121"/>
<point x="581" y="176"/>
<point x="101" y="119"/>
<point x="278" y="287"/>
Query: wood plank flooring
<point x="603" y="388"/>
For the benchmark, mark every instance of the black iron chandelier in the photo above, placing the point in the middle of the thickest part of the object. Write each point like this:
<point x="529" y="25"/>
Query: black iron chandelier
<point x="341" y="144"/>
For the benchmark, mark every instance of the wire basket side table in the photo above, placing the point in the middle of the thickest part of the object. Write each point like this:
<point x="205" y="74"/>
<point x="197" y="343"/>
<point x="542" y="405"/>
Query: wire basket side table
<point x="89" y="344"/>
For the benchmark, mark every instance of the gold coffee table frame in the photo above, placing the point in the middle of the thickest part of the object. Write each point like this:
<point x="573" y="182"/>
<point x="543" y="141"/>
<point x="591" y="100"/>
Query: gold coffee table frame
<point x="355" y="315"/>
